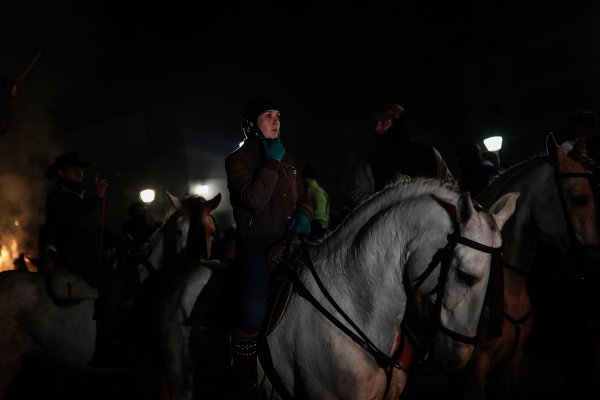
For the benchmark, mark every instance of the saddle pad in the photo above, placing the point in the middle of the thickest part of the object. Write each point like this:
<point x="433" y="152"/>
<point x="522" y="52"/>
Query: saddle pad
<point x="281" y="286"/>
<point x="63" y="285"/>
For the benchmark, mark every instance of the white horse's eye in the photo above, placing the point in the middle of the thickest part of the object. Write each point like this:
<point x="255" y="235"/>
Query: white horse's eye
<point x="466" y="278"/>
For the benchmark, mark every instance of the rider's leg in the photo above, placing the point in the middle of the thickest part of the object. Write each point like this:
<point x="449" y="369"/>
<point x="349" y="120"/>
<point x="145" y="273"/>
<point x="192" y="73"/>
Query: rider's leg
<point x="253" y="281"/>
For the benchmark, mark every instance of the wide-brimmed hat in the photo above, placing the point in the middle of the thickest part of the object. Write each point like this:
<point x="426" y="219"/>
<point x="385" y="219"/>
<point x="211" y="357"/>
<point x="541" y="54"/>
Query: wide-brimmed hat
<point x="64" y="161"/>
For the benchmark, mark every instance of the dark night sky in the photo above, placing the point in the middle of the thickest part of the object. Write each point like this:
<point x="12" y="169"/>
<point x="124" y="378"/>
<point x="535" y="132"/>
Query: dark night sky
<point x="322" y="60"/>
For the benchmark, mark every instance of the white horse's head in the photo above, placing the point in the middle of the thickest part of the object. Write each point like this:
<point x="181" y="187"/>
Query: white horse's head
<point x="458" y="295"/>
<point x="188" y="227"/>
<point x="422" y="235"/>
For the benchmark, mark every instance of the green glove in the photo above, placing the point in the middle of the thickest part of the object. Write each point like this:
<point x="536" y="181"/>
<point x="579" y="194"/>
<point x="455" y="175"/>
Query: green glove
<point x="299" y="223"/>
<point x="273" y="148"/>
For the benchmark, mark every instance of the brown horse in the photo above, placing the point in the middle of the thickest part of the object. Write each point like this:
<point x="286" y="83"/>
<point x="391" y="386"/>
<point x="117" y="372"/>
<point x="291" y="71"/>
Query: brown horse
<point x="557" y="207"/>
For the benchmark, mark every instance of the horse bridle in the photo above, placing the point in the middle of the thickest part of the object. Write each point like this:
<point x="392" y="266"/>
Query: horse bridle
<point x="384" y="361"/>
<point x="444" y="258"/>
<point x="594" y="184"/>
<point x="578" y="247"/>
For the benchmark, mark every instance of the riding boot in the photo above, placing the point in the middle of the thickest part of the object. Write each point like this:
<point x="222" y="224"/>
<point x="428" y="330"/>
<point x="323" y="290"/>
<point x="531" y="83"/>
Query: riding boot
<point x="244" y="352"/>
<point x="109" y="353"/>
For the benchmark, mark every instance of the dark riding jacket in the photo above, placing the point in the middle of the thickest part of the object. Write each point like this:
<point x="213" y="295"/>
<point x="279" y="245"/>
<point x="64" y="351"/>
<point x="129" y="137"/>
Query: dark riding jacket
<point x="73" y="230"/>
<point x="264" y="193"/>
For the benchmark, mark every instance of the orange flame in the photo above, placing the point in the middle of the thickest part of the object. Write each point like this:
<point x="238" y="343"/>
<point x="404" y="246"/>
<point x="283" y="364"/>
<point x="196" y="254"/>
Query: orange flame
<point x="9" y="253"/>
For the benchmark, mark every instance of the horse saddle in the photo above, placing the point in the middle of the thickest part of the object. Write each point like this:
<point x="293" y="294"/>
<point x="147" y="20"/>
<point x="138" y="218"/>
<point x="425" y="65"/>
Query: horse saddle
<point x="282" y="255"/>
<point x="65" y="286"/>
<point x="215" y="300"/>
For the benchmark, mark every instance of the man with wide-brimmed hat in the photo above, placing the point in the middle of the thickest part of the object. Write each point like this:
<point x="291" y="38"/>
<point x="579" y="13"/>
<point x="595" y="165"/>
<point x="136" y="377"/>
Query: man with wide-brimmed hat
<point x="72" y="228"/>
<point x="71" y="239"/>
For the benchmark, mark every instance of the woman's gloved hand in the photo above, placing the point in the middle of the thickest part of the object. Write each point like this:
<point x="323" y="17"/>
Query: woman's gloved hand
<point x="299" y="223"/>
<point x="273" y="148"/>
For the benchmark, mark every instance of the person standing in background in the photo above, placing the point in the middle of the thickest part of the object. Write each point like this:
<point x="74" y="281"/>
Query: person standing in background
<point x="320" y="200"/>
<point x="395" y="155"/>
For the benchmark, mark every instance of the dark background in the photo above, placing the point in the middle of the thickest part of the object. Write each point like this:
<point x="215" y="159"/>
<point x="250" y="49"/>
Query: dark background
<point x="323" y="60"/>
<point x="178" y="73"/>
<point x="463" y="70"/>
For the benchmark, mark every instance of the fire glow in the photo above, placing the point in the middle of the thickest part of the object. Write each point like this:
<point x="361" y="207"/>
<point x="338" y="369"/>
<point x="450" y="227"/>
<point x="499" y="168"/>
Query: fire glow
<point x="9" y="252"/>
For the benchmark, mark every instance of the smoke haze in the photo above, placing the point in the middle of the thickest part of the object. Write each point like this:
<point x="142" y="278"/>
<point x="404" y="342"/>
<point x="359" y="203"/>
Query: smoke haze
<point x="26" y="150"/>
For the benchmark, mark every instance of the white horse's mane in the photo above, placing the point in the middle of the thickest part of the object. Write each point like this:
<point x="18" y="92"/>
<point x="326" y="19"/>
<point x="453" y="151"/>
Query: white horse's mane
<point x="395" y="192"/>
<point x="334" y="254"/>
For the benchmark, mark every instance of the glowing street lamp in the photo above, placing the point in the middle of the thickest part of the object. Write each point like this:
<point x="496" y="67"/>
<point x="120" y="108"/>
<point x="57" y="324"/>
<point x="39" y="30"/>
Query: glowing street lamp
<point x="147" y="195"/>
<point x="493" y="143"/>
<point x="200" y="189"/>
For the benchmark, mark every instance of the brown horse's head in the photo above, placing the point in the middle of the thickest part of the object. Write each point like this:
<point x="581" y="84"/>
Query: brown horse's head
<point x="202" y="227"/>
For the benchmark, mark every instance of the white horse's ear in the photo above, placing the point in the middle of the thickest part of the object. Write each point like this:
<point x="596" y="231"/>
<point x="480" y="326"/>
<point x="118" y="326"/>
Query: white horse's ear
<point x="464" y="208"/>
<point x="214" y="202"/>
<point x="174" y="200"/>
<point x="504" y="207"/>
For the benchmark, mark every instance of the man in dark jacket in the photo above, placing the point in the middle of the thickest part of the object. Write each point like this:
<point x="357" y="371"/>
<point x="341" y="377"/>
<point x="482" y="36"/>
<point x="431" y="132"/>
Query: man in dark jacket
<point x="71" y="239"/>
<point x="395" y="155"/>
<point x="71" y="234"/>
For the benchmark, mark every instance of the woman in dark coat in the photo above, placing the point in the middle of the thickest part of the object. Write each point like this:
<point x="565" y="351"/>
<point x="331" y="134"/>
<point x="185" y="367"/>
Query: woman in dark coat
<point x="268" y="198"/>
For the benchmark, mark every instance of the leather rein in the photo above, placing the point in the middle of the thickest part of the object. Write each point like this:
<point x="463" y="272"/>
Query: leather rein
<point x="384" y="361"/>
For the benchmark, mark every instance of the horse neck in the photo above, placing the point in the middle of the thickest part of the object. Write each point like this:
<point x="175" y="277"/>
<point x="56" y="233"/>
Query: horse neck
<point x="164" y="245"/>
<point x="368" y="277"/>
<point x="521" y="234"/>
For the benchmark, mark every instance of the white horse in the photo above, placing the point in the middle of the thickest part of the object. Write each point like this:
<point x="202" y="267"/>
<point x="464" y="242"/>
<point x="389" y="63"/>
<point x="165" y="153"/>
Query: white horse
<point x="382" y="259"/>
<point x="33" y="323"/>
<point x="556" y="206"/>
